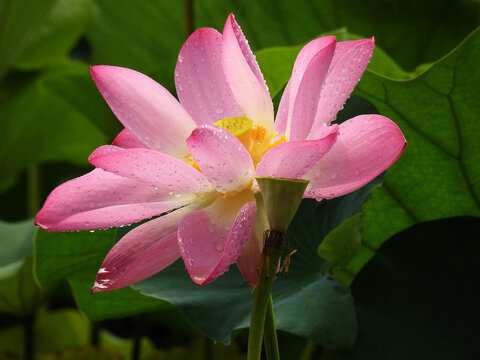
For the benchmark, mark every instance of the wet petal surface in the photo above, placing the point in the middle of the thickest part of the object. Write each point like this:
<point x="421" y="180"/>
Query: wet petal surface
<point x="221" y="157"/>
<point x="365" y="147"/>
<point x="244" y="76"/>
<point x="211" y="240"/>
<point x="151" y="167"/>
<point x="100" y="200"/>
<point x="293" y="159"/>
<point x="142" y="252"/>
<point x="201" y="85"/>
<point x="145" y="108"/>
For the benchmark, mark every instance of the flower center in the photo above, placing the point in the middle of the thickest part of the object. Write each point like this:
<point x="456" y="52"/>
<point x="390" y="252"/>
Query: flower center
<point x="238" y="126"/>
<point x="254" y="139"/>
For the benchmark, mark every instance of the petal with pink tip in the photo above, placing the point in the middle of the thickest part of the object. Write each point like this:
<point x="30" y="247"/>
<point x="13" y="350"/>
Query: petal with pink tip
<point x="308" y="76"/>
<point x="145" y="108"/>
<point x="201" y="85"/>
<point x="244" y="76"/>
<point x="151" y="167"/>
<point x="104" y="150"/>
<point x="100" y="200"/>
<point x="221" y="157"/>
<point x="348" y="64"/>
<point x="211" y="240"/>
<point x="140" y="264"/>
<point x="293" y="159"/>
<point x="249" y="262"/>
<point x="365" y="147"/>
<point x="144" y="251"/>
<point x="126" y="140"/>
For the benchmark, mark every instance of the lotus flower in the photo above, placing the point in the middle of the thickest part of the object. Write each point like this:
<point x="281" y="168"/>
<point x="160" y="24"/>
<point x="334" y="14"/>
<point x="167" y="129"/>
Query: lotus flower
<point x="194" y="160"/>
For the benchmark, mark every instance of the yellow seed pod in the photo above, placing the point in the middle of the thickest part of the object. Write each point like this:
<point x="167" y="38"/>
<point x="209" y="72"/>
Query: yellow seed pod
<point x="238" y="126"/>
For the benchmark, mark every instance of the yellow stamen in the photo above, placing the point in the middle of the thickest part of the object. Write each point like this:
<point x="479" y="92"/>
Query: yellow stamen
<point x="239" y="126"/>
<point x="193" y="163"/>
<point x="255" y="139"/>
<point x="262" y="143"/>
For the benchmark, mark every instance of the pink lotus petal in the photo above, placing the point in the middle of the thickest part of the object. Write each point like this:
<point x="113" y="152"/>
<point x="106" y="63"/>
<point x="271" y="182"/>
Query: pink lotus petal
<point x="145" y="108"/>
<point x="249" y="262"/>
<point x="365" y="147"/>
<point x="244" y="76"/>
<point x="100" y="200"/>
<point x="201" y="84"/>
<point x="293" y="159"/>
<point x="141" y="264"/>
<point x="221" y="157"/>
<point x="144" y="251"/>
<point x="104" y="150"/>
<point x="126" y="140"/>
<point x="211" y="240"/>
<point x="280" y="125"/>
<point x="308" y="76"/>
<point x="348" y="64"/>
<point x="152" y="167"/>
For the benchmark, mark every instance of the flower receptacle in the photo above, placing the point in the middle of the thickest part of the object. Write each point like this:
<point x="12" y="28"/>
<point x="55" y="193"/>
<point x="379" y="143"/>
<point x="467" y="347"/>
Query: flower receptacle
<point x="281" y="198"/>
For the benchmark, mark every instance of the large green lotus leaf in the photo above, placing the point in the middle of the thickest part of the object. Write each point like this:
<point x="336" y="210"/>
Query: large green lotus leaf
<point x="19" y="294"/>
<point x="39" y="126"/>
<point x="417" y="298"/>
<point x="412" y="32"/>
<point x="34" y="34"/>
<point x="343" y="242"/>
<point x="147" y="36"/>
<point x="110" y="305"/>
<point x="438" y="176"/>
<point x="307" y="303"/>
<point x="77" y="256"/>
<point x="59" y="255"/>
<point x="74" y="84"/>
<point x="142" y="35"/>
<point x="16" y="242"/>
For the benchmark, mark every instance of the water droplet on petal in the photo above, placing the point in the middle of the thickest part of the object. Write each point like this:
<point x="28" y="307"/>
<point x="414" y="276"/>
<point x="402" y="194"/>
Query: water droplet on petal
<point x="199" y="279"/>
<point x="211" y="228"/>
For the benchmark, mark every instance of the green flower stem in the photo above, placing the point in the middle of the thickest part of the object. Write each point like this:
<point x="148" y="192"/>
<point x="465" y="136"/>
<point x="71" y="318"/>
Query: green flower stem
<point x="270" y="335"/>
<point x="272" y="251"/>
